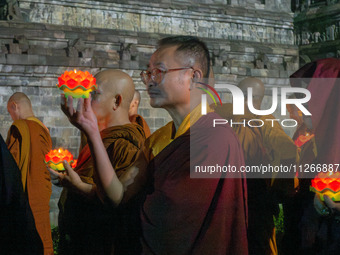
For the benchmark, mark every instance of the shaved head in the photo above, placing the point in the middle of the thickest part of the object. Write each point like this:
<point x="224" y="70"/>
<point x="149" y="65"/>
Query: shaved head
<point x="111" y="101"/>
<point x="19" y="106"/>
<point x="258" y="90"/>
<point x="116" y="82"/>
<point x="20" y="98"/>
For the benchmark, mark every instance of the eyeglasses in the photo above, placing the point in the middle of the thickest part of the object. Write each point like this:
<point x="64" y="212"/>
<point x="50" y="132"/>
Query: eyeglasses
<point x="157" y="75"/>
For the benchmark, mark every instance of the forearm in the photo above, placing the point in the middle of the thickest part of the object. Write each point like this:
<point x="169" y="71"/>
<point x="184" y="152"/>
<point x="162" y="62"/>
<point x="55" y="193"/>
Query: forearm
<point x="84" y="189"/>
<point x="107" y="175"/>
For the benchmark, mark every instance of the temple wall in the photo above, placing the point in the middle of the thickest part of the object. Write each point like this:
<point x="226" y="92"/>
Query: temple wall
<point x="245" y="38"/>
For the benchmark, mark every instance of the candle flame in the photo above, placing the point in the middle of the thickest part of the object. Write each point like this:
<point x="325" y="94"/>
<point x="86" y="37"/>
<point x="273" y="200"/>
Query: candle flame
<point x="75" y="70"/>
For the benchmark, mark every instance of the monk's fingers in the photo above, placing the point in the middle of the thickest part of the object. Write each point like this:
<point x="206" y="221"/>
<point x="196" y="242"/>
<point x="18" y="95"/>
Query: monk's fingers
<point x="72" y="176"/>
<point x="54" y="174"/>
<point x="80" y="105"/>
<point x="87" y="103"/>
<point x="69" y="108"/>
<point x="330" y="204"/>
<point x="320" y="207"/>
<point x="67" y="167"/>
<point x="56" y="177"/>
<point x="63" y="104"/>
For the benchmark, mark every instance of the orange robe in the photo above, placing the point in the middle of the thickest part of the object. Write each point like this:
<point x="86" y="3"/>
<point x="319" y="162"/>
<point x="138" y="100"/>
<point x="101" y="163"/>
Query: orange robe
<point x="28" y="141"/>
<point x="137" y="119"/>
<point x="94" y="226"/>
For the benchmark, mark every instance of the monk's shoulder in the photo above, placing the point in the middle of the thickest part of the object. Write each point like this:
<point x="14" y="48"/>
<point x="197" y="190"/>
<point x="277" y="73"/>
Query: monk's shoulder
<point x="128" y="134"/>
<point x="18" y="128"/>
<point x="159" y="134"/>
<point x="208" y="129"/>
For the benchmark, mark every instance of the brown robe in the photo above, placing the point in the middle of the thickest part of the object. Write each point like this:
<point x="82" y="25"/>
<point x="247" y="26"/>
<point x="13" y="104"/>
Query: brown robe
<point x="29" y="141"/>
<point x="137" y="119"/>
<point x="94" y="226"/>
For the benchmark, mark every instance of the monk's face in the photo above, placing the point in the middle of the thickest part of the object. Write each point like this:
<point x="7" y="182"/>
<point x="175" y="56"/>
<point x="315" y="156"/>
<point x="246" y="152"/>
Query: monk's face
<point x="101" y="102"/>
<point x="173" y="89"/>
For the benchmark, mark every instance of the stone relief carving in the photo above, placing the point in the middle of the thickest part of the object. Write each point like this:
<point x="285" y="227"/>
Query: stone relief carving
<point x="10" y="10"/>
<point x="330" y="33"/>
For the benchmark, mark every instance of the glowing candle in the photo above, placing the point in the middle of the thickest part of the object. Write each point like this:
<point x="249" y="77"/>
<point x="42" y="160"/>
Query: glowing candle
<point x="74" y="164"/>
<point x="327" y="184"/>
<point x="302" y="139"/>
<point x="54" y="159"/>
<point x="77" y="83"/>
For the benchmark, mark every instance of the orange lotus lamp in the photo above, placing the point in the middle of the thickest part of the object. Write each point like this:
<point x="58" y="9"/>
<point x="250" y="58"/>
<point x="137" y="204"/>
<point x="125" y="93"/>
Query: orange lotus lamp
<point x="54" y="159"/>
<point x="77" y="83"/>
<point x="74" y="164"/>
<point x="327" y="184"/>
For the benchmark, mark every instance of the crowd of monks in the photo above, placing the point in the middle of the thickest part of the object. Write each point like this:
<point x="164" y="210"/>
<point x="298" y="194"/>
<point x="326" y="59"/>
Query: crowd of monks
<point x="131" y="191"/>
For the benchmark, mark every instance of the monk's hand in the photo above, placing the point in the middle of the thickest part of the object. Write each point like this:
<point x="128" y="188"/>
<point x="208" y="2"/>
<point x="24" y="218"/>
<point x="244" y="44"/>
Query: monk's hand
<point x="69" y="179"/>
<point x="55" y="177"/>
<point x="333" y="206"/>
<point x="83" y="117"/>
<point x="320" y="207"/>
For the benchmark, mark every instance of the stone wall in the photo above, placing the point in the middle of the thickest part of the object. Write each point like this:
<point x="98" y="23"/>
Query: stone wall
<point x="245" y="38"/>
<point x="317" y="30"/>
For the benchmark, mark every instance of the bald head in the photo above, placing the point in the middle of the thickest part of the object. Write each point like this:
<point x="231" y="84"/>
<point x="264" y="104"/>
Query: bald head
<point x="257" y="87"/>
<point x="19" y="106"/>
<point x="115" y="82"/>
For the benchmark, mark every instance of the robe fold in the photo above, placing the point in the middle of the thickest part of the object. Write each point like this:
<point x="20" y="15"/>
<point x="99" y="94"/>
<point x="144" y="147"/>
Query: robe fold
<point x="184" y="215"/>
<point x="137" y="119"/>
<point x="29" y="141"/>
<point x="18" y="234"/>
<point x="94" y="226"/>
<point x="261" y="202"/>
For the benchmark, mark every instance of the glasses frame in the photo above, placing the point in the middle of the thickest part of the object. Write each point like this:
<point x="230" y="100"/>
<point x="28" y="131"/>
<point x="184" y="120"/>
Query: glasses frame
<point x="147" y="75"/>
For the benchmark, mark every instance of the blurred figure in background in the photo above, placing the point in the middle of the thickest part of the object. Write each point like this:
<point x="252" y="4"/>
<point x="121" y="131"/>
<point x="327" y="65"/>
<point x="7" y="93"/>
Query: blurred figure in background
<point x="29" y="141"/>
<point x="135" y="117"/>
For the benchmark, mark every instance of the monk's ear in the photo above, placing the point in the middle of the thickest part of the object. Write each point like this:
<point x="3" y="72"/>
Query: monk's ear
<point x="197" y="75"/>
<point x="13" y="106"/>
<point x="118" y="102"/>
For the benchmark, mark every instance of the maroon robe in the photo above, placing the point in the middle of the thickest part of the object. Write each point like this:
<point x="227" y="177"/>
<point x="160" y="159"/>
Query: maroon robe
<point x="309" y="233"/>
<point x="184" y="215"/>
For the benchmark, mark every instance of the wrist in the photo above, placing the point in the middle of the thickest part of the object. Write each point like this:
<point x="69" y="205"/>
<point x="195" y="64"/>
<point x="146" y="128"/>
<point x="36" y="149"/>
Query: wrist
<point x="93" y="135"/>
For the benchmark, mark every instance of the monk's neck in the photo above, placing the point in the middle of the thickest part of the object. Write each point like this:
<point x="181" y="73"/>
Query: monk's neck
<point x="178" y="114"/>
<point x="25" y="116"/>
<point x="114" y="120"/>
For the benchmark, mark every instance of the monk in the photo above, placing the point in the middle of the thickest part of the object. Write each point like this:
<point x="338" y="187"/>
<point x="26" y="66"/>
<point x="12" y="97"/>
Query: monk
<point x="261" y="236"/>
<point x="135" y="117"/>
<point x="278" y="144"/>
<point x="184" y="212"/>
<point x="318" y="221"/>
<point x="89" y="224"/>
<point x="29" y="141"/>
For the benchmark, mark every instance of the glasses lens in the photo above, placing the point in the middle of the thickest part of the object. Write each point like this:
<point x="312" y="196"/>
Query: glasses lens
<point x="156" y="75"/>
<point x="145" y="76"/>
